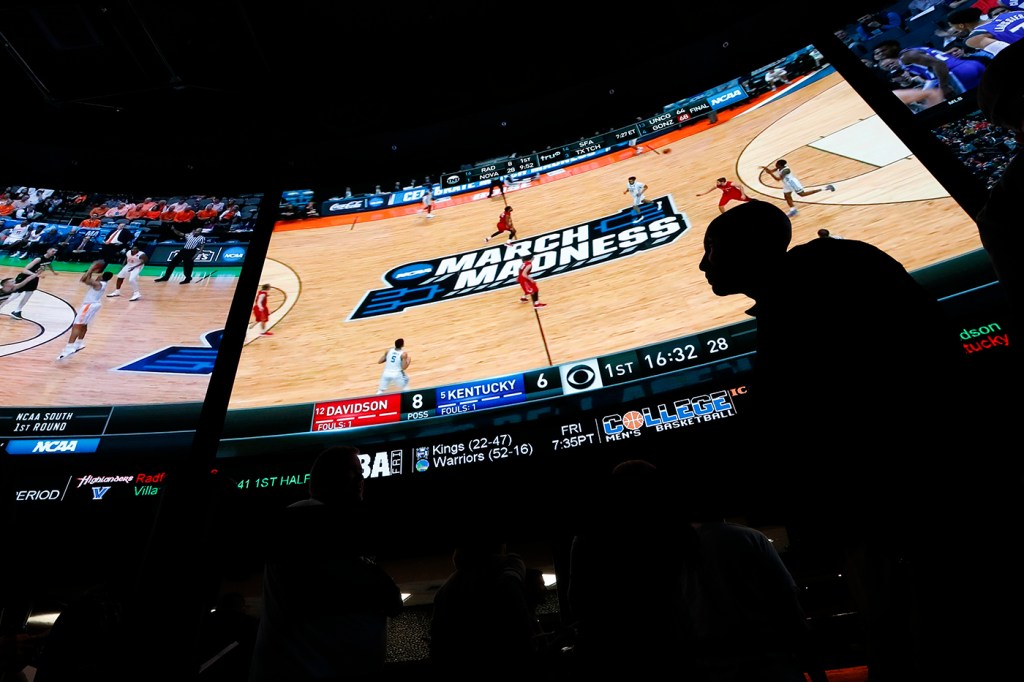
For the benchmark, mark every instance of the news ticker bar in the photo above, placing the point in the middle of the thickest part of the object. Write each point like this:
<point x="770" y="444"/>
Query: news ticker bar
<point x="639" y="418"/>
<point x="90" y="485"/>
<point x="98" y="420"/>
<point x="577" y="377"/>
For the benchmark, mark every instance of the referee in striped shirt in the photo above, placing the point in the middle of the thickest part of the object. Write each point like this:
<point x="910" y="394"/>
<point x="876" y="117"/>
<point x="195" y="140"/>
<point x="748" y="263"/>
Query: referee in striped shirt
<point x="186" y="255"/>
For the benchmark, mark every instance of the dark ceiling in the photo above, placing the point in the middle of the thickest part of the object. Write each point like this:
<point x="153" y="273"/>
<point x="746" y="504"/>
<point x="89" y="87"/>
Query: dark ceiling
<point x="354" y="93"/>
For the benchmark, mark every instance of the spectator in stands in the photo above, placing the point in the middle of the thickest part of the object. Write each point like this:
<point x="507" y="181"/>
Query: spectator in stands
<point x="116" y="242"/>
<point x="27" y="212"/>
<point x="17" y="238"/>
<point x="87" y="249"/>
<point x="50" y="206"/>
<point x="137" y="211"/>
<point x="49" y="239"/>
<point x="180" y="205"/>
<point x="20" y="203"/>
<point x="230" y="214"/>
<point x="325" y="601"/>
<point x="168" y="213"/>
<point x="776" y="77"/>
<point x="482" y="626"/>
<point x="185" y="215"/>
<point x="119" y="210"/>
<point x="630" y="629"/>
<point x="747" y="618"/>
<point x="156" y="211"/>
<point x="871" y="25"/>
<point x="212" y="210"/>
<point x="31" y="242"/>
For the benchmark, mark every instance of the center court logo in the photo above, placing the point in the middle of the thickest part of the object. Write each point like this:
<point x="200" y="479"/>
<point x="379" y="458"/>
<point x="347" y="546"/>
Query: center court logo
<point x="566" y="250"/>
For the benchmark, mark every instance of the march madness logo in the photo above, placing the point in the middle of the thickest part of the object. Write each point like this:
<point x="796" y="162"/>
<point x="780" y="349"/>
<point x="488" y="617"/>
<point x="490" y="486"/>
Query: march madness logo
<point x="496" y="267"/>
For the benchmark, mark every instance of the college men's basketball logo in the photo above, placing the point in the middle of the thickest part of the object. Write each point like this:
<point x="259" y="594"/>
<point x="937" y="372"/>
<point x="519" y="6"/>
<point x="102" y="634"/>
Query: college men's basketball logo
<point x="566" y="250"/>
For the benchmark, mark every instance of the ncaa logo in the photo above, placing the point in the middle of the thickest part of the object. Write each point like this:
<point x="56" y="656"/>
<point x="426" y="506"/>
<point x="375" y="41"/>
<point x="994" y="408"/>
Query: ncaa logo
<point x="580" y="376"/>
<point x="375" y="202"/>
<point x="413" y="271"/>
<point x="235" y="253"/>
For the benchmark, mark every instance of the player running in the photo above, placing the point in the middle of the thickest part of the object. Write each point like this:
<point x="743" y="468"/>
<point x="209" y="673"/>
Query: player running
<point x="504" y="225"/>
<point x="528" y="283"/>
<point x="791" y="184"/>
<point x="730" y="192"/>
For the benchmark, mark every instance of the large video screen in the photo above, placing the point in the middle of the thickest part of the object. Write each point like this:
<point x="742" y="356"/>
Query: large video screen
<point x="932" y="55"/>
<point x="630" y="346"/>
<point x="113" y="311"/>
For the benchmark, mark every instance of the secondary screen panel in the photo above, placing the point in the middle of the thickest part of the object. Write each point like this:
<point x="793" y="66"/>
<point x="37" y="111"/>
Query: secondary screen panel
<point x="117" y="338"/>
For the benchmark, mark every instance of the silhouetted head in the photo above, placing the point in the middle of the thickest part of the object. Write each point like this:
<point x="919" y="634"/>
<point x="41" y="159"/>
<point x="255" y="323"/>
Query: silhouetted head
<point x="964" y="19"/>
<point x="107" y="276"/>
<point x="742" y="245"/>
<point x="337" y="476"/>
<point x="720" y="181"/>
<point x="399" y="343"/>
<point x="1001" y="92"/>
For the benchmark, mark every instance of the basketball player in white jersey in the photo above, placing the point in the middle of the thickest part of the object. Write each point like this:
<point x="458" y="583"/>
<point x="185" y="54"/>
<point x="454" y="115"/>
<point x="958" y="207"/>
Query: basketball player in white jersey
<point x="91" y="304"/>
<point x="636" y="189"/>
<point x="134" y="260"/>
<point x="395" y="360"/>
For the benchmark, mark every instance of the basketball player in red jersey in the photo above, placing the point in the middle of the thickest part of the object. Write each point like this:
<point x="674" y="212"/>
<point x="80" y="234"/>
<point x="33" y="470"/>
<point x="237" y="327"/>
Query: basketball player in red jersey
<point x="261" y="310"/>
<point x="730" y="192"/>
<point x="529" y="284"/>
<point x="504" y="225"/>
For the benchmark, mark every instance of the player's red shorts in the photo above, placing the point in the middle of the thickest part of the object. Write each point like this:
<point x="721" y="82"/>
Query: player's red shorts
<point x="528" y="285"/>
<point x="730" y="195"/>
<point x="261" y="314"/>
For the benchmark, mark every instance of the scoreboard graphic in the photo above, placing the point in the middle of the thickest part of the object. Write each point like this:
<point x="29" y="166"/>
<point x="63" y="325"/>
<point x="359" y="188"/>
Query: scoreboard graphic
<point x="699" y="353"/>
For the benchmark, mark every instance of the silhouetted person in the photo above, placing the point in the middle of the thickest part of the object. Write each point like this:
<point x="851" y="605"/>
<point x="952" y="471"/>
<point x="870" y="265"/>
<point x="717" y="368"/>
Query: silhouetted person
<point x="325" y="603"/>
<point x="842" y="329"/>
<point x="748" y="623"/>
<point x="854" y="377"/>
<point x="1001" y="97"/>
<point x="87" y="638"/>
<point x="482" y="625"/>
<point x="626" y="581"/>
